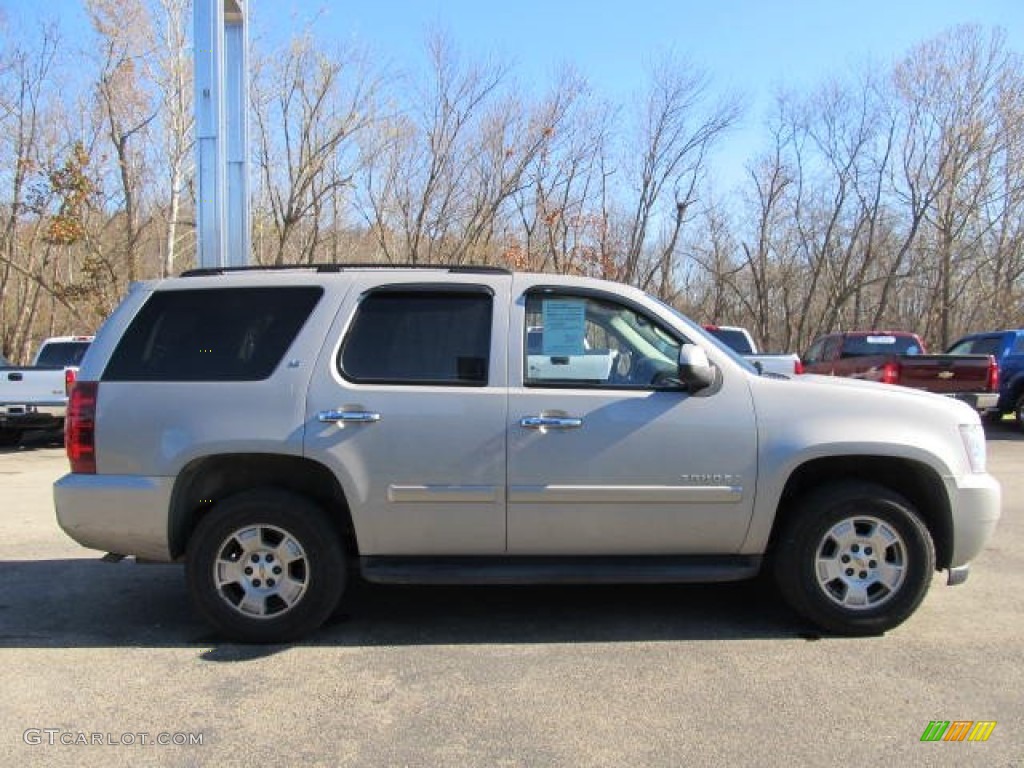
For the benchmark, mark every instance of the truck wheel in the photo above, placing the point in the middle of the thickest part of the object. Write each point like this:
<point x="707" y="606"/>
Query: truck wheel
<point x="855" y="559"/>
<point x="9" y="437"/>
<point x="265" y="566"/>
<point x="1018" y="411"/>
<point x="992" y="418"/>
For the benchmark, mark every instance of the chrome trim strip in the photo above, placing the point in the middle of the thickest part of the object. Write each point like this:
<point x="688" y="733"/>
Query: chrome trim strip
<point x="348" y="417"/>
<point x="625" y="494"/>
<point x="443" y="493"/>
<point x="551" y="422"/>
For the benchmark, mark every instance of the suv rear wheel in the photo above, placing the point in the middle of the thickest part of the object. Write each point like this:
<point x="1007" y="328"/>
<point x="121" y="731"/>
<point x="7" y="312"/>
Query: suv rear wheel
<point x="856" y="559"/>
<point x="265" y="566"/>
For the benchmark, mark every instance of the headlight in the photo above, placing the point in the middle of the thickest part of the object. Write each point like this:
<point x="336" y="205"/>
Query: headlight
<point x="973" y="436"/>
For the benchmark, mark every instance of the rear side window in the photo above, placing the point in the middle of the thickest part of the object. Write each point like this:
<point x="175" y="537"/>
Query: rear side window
<point x="815" y="352"/>
<point x="221" y="334"/>
<point x="880" y="344"/>
<point x="419" y="337"/>
<point x="990" y="345"/>
<point x="736" y="340"/>
<point x="831" y="349"/>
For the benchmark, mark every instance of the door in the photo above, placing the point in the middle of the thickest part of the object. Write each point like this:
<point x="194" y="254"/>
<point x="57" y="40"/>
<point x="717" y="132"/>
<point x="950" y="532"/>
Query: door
<point x="408" y="407"/>
<point x="608" y="454"/>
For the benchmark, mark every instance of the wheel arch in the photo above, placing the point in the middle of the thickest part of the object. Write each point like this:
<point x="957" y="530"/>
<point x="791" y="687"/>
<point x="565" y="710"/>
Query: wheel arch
<point x="207" y="480"/>
<point x="1014" y="392"/>
<point x="916" y="481"/>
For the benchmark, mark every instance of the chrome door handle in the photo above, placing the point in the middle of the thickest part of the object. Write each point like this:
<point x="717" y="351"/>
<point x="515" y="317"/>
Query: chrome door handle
<point x="349" y="417"/>
<point x="551" y="422"/>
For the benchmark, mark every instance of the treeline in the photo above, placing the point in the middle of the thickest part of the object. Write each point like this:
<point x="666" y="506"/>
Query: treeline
<point x="892" y="197"/>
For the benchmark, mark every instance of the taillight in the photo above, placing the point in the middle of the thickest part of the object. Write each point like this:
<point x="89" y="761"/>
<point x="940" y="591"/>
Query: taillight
<point x="993" y="374"/>
<point x="69" y="380"/>
<point x="80" y="427"/>
<point x="891" y="373"/>
<point x="798" y="367"/>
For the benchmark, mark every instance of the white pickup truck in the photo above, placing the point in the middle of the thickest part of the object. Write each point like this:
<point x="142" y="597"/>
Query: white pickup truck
<point x="740" y="341"/>
<point x="278" y="430"/>
<point x="36" y="397"/>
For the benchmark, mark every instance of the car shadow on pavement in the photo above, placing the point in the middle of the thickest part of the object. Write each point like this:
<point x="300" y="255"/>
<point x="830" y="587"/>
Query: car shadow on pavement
<point x="87" y="603"/>
<point x="36" y="439"/>
<point x="1005" y="431"/>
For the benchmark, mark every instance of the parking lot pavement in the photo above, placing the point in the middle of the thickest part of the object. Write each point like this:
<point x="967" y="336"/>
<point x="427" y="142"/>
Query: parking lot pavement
<point x="98" y="662"/>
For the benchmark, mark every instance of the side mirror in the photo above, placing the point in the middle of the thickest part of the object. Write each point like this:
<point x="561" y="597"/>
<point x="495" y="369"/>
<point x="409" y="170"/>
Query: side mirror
<point x="695" y="369"/>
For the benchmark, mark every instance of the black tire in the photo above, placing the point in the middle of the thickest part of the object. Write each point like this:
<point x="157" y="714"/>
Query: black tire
<point x="262" y="528"/>
<point x="993" y="418"/>
<point x="868" y="592"/>
<point x="1018" y="411"/>
<point x="9" y="437"/>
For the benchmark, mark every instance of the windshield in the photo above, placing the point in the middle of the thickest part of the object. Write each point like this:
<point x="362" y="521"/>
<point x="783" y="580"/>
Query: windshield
<point x="880" y="344"/>
<point x="59" y="354"/>
<point x="734" y="338"/>
<point x="695" y="331"/>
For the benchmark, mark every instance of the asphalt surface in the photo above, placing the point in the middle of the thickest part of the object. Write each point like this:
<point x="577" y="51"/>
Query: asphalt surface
<point x="98" y="661"/>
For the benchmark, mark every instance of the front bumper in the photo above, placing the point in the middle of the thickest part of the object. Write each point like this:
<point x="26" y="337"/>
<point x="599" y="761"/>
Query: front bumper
<point x="124" y="514"/>
<point x="976" y="500"/>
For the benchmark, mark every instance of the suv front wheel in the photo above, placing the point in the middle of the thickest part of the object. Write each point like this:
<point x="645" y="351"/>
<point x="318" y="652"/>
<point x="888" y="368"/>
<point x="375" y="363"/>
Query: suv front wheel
<point x="855" y="558"/>
<point x="265" y="566"/>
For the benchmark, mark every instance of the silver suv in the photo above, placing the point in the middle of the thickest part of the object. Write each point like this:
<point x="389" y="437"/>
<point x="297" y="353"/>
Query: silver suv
<point x="275" y="429"/>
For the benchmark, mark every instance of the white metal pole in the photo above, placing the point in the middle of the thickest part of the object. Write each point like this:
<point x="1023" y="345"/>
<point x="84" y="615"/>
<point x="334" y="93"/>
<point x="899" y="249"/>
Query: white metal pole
<point x="222" y="107"/>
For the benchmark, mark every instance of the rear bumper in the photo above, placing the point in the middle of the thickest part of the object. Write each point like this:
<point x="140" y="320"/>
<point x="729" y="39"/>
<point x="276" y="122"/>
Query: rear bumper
<point x="979" y="401"/>
<point x="976" y="501"/>
<point x="125" y="514"/>
<point x="32" y="415"/>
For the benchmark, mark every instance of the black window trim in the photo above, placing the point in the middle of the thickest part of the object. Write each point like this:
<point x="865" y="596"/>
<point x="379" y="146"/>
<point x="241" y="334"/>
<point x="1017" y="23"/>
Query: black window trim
<point x="599" y="295"/>
<point x="105" y="374"/>
<point x="437" y="289"/>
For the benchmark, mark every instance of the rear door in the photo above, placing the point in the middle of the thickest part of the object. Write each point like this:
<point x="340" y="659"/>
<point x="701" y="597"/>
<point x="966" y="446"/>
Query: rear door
<point x="408" y="406"/>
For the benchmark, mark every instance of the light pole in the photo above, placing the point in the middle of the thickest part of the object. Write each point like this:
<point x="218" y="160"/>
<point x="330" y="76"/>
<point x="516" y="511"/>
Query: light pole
<point x="222" y="133"/>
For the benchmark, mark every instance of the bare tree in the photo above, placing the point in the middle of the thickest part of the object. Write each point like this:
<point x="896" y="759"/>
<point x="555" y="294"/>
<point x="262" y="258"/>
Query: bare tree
<point x="125" y="40"/>
<point x="308" y="108"/>
<point x="678" y="123"/>
<point x="174" y="80"/>
<point x="951" y="86"/>
<point x="561" y="208"/>
<point x="420" y="162"/>
<point x="25" y="81"/>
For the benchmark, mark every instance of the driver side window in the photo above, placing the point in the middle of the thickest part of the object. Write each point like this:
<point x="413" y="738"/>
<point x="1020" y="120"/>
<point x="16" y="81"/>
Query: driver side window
<point x="583" y="342"/>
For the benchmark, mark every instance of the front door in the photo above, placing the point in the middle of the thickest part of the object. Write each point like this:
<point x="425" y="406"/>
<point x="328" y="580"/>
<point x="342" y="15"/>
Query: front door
<point x="608" y="454"/>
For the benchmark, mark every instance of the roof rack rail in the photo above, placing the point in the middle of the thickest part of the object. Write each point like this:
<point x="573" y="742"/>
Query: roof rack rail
<point x="480" y="269"/>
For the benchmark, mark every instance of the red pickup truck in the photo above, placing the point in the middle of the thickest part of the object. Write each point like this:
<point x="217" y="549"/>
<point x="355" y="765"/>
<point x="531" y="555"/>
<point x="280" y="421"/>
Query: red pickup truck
<point x="897" y="357"/>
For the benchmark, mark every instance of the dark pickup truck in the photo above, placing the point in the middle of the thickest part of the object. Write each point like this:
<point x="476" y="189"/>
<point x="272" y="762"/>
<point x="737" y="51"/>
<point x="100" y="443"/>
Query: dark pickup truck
<point x="899" y="358"/>
<point x="1007" y="347"/>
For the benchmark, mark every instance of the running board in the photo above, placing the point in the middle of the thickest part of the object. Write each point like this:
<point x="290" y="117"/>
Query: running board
<point x="559" y="570"/>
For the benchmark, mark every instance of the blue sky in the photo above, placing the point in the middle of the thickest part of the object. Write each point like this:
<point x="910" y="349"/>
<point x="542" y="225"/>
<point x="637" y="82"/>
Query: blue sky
<point x="743" y="43"/>
<point x="751" y="46"/>
<point x="747" y="46"/>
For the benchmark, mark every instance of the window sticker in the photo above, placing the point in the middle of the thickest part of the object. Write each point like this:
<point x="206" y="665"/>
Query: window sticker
<point x="881" y="339"/>
<point x="565" y="326"/>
